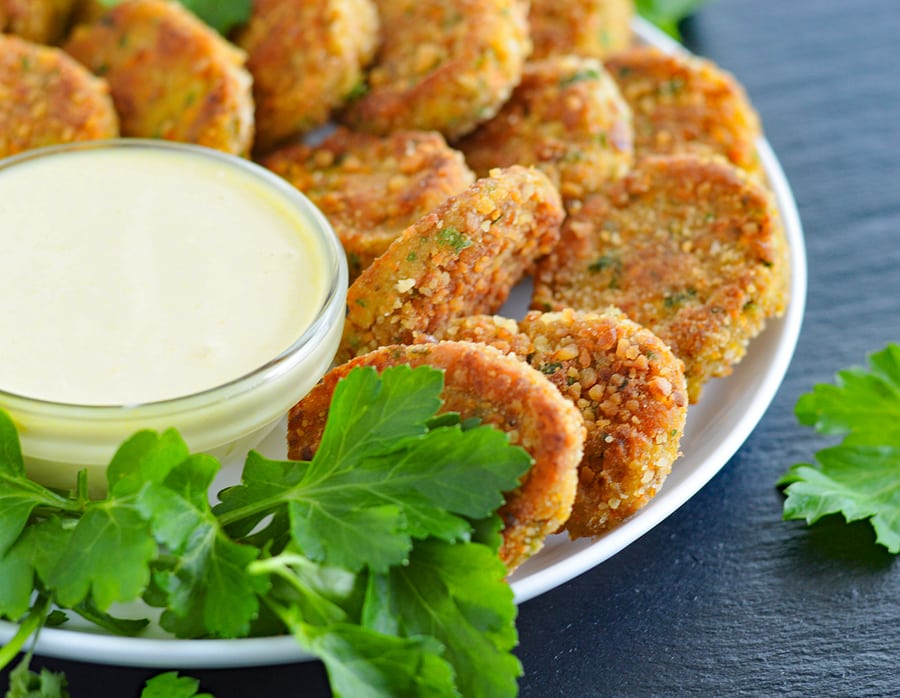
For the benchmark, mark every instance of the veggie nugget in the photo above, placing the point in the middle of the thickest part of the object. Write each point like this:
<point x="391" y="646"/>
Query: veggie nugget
<point x="372" y="188"/>
<point x="686" y="104"/>
<point x="443" y="65"/>
<point x="461" y="259"/>
<point x="689" y="248"/>
<point x="482" y="383"/>
<point x="581" y="27"/>
<point x="306" y="58"/>
<point x="46" y="98"/>
<point x="171" y="76"/>
<point x="41" y="21"/>
<point x="629" y="388"/>
<point x="567" y="118"/>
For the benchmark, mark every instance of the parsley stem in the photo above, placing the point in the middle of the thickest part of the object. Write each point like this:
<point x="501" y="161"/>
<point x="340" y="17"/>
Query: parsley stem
<point x="32" y="624"/>
<point x="51" y="499"/>
<point x="261" y="506"/>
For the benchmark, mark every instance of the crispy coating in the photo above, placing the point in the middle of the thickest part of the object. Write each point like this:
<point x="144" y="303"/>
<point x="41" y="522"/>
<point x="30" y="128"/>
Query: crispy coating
<point x="689" y="248"/>
<point x="40" y="21"/>
<point x="171" y="76"/>
<point x="480" y="382"/>
<point x="306" y="58"/>
<point x="630" y="390"/>
<point x="500" y="332"/>
<point x="372" y="188"/>
<point x="47" y="98"/>
<point x="461" y="259"/>
<point x="443" y="65"/>
<point x="686" y="104"/>
<point x="582" y="27"/>
<point x="567" y="118"/>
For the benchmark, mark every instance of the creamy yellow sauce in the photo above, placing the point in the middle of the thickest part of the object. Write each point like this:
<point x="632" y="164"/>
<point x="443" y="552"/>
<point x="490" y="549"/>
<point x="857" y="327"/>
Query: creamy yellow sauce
<point x="131" y="276"/>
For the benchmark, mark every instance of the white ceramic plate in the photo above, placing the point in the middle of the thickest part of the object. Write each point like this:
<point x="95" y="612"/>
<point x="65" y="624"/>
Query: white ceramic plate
<point x="716" y="428"/>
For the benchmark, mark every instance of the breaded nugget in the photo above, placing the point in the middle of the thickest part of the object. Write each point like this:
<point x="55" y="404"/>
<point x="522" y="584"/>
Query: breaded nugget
<point x="687" y="247"/>
<point x="46" y="98"/>
<point x="629" y="388"/>
<point x="461" y="259"/>
<point x="40" y="21"/>
<point x="171" y="76"/>
<point x="443" y="65"/>
<point x="567" y="118"/>
<point x="306" y="58"/>
<point x="581" y="27"/>
<point x="499" y="390"/>
<point x="372" y="188"/>
<point x="684" y="103"/>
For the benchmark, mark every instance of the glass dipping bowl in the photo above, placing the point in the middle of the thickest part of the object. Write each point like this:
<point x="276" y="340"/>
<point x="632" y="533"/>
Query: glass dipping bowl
<point x="60" y="439"/>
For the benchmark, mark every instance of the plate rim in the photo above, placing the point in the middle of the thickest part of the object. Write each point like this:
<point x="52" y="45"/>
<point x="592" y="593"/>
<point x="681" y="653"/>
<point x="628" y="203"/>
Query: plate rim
<point x="96" y="647"/>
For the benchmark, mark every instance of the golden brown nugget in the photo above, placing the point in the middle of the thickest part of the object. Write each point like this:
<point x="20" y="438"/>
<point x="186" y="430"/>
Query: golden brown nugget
<point x="684" y="103"/>
<point x="482" y="383"/>
<point x="567" y="118"/>
<point x="372" y="188"/>
<point x="443" y="65"/>
<point x="306" y="58"/>
<point x="687" y="247"/>
<point x="46" y="98"/>
<point x="461" y="259"/>
<point x="629" y="388"/>
<point x="582" y="27"/>
<point x="40" y="21"/>
<point x="171" y="76"/>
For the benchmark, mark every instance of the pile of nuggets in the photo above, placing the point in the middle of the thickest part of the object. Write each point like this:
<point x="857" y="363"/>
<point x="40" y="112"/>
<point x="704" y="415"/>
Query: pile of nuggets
<point x="467" y="145"/>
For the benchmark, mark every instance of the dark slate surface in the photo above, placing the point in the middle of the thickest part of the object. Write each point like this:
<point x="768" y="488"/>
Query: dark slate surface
<point x="724" y="598"/>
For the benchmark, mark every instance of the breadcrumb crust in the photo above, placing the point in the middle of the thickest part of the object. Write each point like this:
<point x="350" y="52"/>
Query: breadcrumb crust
<point x="687" y="247"/>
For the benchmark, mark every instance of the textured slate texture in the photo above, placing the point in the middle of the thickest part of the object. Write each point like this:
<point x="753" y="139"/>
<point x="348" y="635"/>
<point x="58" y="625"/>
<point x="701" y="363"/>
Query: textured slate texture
<point x="724" y="598"/>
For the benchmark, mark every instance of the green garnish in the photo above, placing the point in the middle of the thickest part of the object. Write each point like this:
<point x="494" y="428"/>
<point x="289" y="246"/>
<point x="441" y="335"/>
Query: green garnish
<point x="379" y="555"/>
<point x="359" y="90"/>
<point x="221" y="15"/>
<point x="674" y="300"/>
<point x="451" y="237"/>
<point x="171" y="685"/>
<point x="579" y="76"/>
<point x="604" y="262"/>
<point x="666" y="14"/>
<point x="24" y="683"/>
<point x="860" y="477"/>
<point x="671" y="87"/>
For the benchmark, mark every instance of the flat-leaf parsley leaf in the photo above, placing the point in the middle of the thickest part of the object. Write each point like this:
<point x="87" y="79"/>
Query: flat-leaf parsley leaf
<point x="381" y="477"/>
<point x="171" y="685"/>
<point x="666" y="14"/>
<point x="860" y="477"/>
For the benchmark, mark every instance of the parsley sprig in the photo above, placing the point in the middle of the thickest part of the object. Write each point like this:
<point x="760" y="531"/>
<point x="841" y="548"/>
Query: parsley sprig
<point x="379" y="555"/>
<point x="860" y="477"/>
<point x="666" y="14"/>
